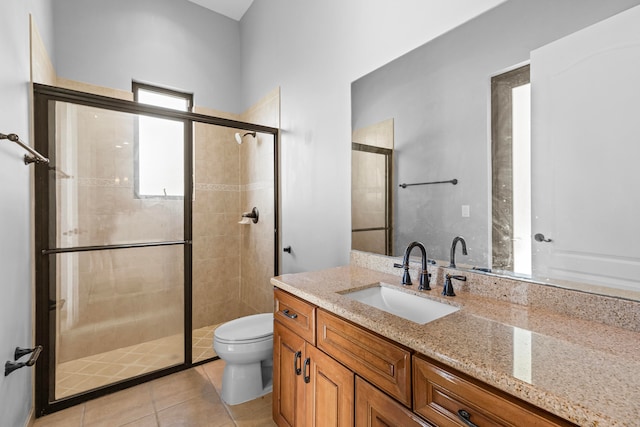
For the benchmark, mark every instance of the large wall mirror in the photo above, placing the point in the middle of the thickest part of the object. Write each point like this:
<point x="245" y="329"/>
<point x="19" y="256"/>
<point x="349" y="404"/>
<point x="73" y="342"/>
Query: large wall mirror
<point x="441" y="111"/>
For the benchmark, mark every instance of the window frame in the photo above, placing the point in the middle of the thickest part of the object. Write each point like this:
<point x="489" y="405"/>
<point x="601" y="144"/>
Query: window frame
<point x="135" y="88"/>
<point x="502" y="248"/>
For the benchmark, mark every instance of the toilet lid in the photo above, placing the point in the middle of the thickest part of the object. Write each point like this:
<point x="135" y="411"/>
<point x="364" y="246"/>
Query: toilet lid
<point x="246" y="328"/>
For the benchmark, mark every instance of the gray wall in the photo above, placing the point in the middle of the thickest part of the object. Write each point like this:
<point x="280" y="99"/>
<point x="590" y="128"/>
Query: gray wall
<point x="438" y="96"/>
<point x="15" y="212"/>
<point x="173" y="43"/>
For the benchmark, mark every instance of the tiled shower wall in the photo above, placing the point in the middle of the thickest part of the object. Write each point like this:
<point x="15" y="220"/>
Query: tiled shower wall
<point x="257" y="177"/>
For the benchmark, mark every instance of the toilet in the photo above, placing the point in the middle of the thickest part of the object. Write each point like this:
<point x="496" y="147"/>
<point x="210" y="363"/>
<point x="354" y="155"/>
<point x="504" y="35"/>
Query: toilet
<point x="246" y="346"/>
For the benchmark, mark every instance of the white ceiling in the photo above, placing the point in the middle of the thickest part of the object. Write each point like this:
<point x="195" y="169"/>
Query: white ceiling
<point x="234" y="9"/>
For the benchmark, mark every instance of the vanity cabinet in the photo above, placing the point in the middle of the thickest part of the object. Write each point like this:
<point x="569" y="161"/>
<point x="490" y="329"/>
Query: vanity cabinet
<point x="328" y="371"/>
<point x="448" y="399"/>
<point x="309" y="387"/>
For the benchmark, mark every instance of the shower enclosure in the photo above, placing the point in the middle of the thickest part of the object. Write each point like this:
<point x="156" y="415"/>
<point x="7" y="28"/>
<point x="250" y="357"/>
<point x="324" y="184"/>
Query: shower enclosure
<point x="139" y="254"/>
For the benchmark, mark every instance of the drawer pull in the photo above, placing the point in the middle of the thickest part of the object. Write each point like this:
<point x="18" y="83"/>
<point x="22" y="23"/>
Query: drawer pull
<point x="465" y="417"/>
<point x="307" y="370"/>
<point x="298" y="359"/>
<point x="288" y="314"/>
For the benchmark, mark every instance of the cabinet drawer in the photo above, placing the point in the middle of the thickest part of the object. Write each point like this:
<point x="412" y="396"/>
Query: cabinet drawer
<point x="376" y="409"/>
<point x="296" y="314"/>
<point x="440" y="395"/>
<point x="381" y="362"/>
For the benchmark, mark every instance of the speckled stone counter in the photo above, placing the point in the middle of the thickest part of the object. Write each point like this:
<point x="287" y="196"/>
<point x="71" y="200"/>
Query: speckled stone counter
<point x="584" y="371"/>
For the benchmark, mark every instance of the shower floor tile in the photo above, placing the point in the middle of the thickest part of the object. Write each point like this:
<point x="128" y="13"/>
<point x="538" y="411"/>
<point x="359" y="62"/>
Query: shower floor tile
<point x="77" y="376"/>
<point x="202" y="343"/>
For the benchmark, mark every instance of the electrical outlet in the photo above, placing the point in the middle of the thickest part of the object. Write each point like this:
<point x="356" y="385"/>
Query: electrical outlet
<point x="465" y="211"/>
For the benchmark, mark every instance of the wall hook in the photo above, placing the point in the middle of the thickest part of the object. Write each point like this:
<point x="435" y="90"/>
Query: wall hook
<point x="539" y="237"/>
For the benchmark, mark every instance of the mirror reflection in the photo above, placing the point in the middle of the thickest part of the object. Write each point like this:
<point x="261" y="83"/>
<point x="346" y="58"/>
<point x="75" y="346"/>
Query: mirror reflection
<point x="529" y="108"/>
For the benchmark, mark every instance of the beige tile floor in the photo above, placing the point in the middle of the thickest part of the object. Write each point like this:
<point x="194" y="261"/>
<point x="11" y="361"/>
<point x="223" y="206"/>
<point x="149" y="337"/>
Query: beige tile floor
<point x="105" y="368"/>
<point x="189" y="398"/>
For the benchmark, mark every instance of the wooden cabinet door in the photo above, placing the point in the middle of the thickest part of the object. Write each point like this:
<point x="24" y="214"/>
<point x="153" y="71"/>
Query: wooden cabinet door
<point x="376" y="409"/>
<point x="329" y="391"/>
<point x="288" y="390"/>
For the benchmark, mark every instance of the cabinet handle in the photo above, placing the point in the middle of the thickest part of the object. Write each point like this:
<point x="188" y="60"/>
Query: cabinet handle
<point x="307" y="368"/>
<point x="288" y="314"/>
<point x="297" y="359"/>
<point x="465" y="417"/>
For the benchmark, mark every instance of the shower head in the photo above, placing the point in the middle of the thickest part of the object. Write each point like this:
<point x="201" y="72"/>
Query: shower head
<point x="239" y="137"/>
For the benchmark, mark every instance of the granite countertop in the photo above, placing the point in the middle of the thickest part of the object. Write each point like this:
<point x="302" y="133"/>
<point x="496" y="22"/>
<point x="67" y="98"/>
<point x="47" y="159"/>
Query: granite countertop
<point x="583" y="371"/>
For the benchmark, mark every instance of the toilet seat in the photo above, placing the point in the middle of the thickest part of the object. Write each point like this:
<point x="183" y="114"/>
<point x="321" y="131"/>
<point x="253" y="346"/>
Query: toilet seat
<point x="240" y="342"/>
<point x="249" y="329"/>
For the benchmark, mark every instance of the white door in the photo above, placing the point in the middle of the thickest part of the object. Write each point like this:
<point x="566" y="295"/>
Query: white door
<point x="586" y="154"/>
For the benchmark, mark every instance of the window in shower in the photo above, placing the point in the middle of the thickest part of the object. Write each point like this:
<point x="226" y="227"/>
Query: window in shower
<point x="158" y="144"/>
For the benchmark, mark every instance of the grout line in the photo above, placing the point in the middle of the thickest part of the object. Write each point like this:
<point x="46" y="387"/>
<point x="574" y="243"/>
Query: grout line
<point x="82" y="412"/>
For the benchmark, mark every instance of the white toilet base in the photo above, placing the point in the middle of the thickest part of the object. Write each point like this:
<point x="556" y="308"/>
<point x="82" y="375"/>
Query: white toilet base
<point x="242" y="383"/>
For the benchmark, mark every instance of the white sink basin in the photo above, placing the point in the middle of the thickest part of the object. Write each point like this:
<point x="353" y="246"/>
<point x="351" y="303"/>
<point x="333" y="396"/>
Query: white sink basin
<point x="409" y="306"/>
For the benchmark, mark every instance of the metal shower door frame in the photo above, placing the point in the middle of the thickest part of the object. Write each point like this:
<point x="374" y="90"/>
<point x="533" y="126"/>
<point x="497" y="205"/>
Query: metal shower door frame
<point x="45" y="318"/>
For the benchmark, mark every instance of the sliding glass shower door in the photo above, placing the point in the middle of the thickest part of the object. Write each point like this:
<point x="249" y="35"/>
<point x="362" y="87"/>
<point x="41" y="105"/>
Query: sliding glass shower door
<point x="113" y="247"/>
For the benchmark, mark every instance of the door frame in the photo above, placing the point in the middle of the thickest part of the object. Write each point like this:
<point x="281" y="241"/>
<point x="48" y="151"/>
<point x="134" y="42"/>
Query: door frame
<point x="388" y="197"/>
<point x="45" y="319"/>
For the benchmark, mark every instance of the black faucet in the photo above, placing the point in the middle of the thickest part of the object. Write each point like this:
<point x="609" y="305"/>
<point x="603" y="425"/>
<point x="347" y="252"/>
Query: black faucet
<point x="424" y="274"/>
<point x="452" y="263"/>
<point x="448" y="286"/>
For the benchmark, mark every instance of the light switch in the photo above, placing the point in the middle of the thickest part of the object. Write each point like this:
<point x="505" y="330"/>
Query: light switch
<point x="465" y="211"/>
